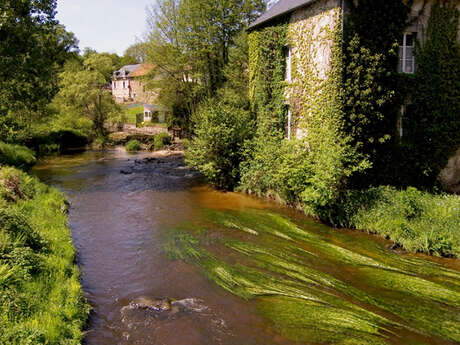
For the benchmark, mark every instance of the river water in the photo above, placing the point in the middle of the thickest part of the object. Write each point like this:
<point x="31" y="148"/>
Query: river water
<point x="326" y="286"/>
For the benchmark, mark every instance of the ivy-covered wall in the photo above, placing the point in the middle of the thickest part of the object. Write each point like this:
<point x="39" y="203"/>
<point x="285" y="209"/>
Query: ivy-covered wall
<point x="345" y="96"/>
<point x="310" y="170"/>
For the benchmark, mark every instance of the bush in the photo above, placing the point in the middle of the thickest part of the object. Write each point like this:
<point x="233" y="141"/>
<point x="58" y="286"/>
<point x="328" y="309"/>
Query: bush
<point x="418" y="221"/>
<point x="133" y="145"/>
<point x="16" y="155"/>
<point x="56" y="142"/>
<point x="216" y="148"/>
<point x="161" y="140"/>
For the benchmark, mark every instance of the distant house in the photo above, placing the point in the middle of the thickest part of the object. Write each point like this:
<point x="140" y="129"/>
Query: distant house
<point x="155" y="113"/>
<point x="128" y="85"/>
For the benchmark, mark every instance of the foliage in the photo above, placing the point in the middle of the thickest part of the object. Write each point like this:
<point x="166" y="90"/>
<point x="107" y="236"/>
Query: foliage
<point x="432" y="126"/>
<point x="33" y="49"/>
<point x="418" y="221"/>
<point x="131" y="113"/>
<point x="372" y="88"/>
<point x="16" y="155"/>
<point x="57" y="141"/>
<point x="216" y="149"/>
<point x="313" y="169"/>
<point x="83" y="93"/>
<point x="41" y="299"/>
<point x="190" y="43"/>
<point x="161" y="140"/>
<point x="133" y="145"/>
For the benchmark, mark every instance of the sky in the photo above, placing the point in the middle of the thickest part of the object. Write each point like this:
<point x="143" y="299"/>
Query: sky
<point x="105" y="25"/>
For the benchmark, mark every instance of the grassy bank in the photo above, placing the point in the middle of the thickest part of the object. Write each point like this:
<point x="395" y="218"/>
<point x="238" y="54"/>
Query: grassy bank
<point x="415" y="220"/>
<point x="40" y="293"/>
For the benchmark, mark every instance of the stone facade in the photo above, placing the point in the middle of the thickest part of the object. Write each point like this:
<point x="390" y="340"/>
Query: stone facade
<point x="128" y="85"/>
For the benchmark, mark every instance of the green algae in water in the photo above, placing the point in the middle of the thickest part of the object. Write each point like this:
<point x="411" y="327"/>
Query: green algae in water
<point x="326" y="309"/>
<point x="303" y="292"/>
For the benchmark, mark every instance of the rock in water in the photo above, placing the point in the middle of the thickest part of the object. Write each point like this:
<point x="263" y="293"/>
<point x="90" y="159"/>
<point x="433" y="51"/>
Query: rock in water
<point x="156" y="304"/>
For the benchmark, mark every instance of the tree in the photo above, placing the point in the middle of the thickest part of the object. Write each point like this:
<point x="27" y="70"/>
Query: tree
<point x="190" y="43"/>
<point x="33" y="49"/>
<point x="84" y="93"/>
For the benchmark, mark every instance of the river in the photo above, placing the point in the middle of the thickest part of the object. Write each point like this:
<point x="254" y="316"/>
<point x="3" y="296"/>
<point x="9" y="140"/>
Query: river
<point x="247" y="271"/>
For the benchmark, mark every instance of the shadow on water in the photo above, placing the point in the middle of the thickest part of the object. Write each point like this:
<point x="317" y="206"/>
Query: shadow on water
<point x="243" y="270"/>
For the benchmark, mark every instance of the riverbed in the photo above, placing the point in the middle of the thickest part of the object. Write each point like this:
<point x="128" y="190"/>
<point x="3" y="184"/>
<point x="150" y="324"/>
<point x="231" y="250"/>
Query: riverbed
<point x="251" y="271"/>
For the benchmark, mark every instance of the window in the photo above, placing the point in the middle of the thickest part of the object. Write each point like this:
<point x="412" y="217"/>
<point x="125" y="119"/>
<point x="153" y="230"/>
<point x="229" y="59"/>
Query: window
<point x="288" y="56"/>
<point x="406" y="53"/>
<point x="288" y="123"/>
<point x="124" y="85"/>
<point x="114" y="84"/>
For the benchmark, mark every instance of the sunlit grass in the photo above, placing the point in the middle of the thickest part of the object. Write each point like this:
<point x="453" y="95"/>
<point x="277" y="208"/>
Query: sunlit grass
<point x="41" y="293"/>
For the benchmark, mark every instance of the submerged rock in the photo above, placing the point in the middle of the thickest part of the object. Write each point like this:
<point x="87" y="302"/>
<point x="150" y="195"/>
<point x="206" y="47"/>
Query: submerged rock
<point x="157" y="304"/>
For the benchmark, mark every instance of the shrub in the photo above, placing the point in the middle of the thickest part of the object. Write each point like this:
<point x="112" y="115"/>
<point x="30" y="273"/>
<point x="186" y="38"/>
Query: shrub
<point x="216" y="148"/>
<point x="418" y="221"/>
<point x="161" y="140"/>
<point x="16" y="155"/>
<point x="16" y="185"/>
<point x="55" y="142"/>
<point x="133" y="145"/>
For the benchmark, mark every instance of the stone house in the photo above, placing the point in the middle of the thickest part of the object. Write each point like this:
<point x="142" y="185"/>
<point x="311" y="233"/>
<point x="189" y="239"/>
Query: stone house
<point x="319" y="17"/>
<point x="309" y="50"/>
<point x="128" y="85"/>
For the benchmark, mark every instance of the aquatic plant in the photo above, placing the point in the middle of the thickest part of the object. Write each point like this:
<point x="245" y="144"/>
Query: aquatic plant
<point x="314" y="287"/>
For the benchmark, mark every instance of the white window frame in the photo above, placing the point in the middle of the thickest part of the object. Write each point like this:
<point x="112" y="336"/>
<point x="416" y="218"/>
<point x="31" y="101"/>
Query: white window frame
<point x="403" y="59"/>
<point x="288" y="76"/>
<point x="289" y="123"/>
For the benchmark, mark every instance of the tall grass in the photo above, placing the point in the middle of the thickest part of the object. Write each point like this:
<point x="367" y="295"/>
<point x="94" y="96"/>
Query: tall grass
<point x="418" y="221"/>
<point x="41" y="299"/>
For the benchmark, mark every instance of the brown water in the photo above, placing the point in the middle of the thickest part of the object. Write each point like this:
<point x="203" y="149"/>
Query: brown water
<point x="120" y="211"/>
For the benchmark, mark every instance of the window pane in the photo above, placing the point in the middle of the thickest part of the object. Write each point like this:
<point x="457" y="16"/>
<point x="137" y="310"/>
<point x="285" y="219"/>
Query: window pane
<point x="410" y="40"/>
<point x="409" y="53"/>
<point x="409" y="66"/>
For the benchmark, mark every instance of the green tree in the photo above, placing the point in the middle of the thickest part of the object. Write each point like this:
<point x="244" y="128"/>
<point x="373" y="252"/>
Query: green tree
<point x="33" y="49"/>
<point x="190" y="43"/>
<point x="216" y="149"/>
<point x="84" y="93"/>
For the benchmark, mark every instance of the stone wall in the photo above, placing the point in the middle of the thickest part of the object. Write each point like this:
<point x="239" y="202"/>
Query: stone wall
<point x="311" y="37"/>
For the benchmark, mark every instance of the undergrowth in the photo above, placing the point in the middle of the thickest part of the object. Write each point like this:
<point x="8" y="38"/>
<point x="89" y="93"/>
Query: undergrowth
<point x="40" y="293"/>
<point x="16" y="155"/>
<point x="418" y="221"/>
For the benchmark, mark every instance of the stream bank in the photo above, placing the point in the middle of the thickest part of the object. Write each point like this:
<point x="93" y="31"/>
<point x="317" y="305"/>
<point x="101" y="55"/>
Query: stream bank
<point x="147" y="227"/>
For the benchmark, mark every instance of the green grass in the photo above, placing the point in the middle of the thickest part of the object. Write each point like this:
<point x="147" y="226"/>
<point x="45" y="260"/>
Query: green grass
<point x="16" y="155"/>
<point x="418" y="221"/>
<point x="131" y="114"/>
<point x="314" y="284"/>
<point x="40" y="293"/>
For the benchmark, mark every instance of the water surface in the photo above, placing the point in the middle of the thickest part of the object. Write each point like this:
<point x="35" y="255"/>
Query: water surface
<point x="260" y="273"/>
